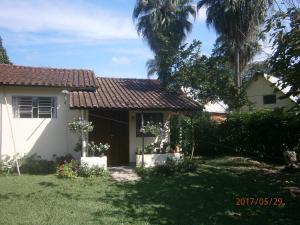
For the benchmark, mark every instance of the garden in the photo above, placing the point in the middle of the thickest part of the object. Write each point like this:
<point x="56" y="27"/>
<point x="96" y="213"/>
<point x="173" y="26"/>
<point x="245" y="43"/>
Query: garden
<point x="206" y="195"/>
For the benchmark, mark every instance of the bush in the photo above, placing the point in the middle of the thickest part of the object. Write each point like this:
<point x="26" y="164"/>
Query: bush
<point x="34" y="164"/>
<point x="188" y="165"/>
<point x="72" y="169"/>
<point x="141" y="171"/>
<point x="5" y="168"/>
<point x="67" y="170"/>
<point x="64" y="159"/>
<point x="205" y="131"/>
<point x="85" y="171"/>
<point x="263" y="135"/>
<point x="167" y="169"/>
<point x="171" y="167"/>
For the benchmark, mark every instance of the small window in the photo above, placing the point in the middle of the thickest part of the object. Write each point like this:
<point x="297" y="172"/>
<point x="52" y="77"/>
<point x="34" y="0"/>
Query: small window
<point x="269" y="99"/>
<point x="156" y="118"/>
<point x="34" y="107"/>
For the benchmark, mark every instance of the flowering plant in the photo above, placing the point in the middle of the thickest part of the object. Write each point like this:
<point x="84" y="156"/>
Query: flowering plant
<point x="79" y="126"/>
<point x="98" y="148"/>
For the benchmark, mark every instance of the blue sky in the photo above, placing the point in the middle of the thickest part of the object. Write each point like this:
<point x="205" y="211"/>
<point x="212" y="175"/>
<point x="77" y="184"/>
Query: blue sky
<point x="91" y="34"/>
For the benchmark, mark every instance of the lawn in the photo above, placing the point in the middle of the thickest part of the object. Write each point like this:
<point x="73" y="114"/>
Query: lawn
<point x="206" y="197"/>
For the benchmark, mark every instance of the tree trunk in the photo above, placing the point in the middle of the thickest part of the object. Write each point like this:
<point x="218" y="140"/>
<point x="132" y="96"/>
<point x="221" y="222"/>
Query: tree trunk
<point x="193" y="137"/>
<point x="143" y="138"/>
<point x="237" y="69"/>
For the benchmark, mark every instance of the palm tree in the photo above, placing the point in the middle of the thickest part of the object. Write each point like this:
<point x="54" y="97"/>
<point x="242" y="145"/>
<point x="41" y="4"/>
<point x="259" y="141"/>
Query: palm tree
<point x="248" y="50"/>
<point x="237" y="21"/>
<point x="164" y="24"/>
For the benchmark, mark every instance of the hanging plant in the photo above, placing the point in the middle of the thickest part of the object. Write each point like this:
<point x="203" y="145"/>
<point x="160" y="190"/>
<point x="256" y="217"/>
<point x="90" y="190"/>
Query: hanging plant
<point x="80" y="126"/>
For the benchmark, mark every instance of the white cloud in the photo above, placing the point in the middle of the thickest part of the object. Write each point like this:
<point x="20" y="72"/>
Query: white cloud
<point x="68" y="20"/>
<point x="201" y="15"/>
<point x="120" y="60"/>
<point x="141" y="53"/>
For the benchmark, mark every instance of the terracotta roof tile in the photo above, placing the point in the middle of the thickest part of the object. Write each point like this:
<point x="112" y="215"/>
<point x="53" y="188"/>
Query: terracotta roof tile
<point x="49" y="77"/>
<point x="138" y="94"/>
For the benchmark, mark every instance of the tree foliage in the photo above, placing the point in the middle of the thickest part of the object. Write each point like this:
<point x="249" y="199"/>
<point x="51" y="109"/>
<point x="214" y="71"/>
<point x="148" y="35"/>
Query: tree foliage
<point x="237" y="22"/>
<point x="164" y="25"/>
<point x="225" y="48"/>
<point x="263" y="135"/>
<point x="285" y="60"/>
<point x="3" y="55"/>
<point x="204" y="78"/>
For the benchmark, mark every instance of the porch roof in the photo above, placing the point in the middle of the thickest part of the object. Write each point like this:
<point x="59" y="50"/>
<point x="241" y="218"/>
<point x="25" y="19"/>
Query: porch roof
<point x="135" y="94"/>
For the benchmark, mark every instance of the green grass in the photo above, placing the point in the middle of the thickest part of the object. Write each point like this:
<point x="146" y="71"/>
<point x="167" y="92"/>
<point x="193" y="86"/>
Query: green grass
<point x="205" y="197"/>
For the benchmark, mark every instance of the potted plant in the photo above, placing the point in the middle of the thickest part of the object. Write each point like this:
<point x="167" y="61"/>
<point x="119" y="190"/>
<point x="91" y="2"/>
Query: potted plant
<point x="93" y="155"/>
<point x="159" y="151"/>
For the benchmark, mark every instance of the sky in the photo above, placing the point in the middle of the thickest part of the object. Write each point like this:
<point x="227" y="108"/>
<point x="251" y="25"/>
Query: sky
<point x="84" y="34"/>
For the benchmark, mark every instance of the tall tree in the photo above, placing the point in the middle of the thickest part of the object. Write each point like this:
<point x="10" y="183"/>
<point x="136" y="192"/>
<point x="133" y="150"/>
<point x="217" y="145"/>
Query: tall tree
<point x="225" y="48"/>
<point x="3" y="55"/>
<point x="164" y="24"/>
<point x="237" y="21"/>
<point x="285" y="35"/>
<point x="204" y="78"/>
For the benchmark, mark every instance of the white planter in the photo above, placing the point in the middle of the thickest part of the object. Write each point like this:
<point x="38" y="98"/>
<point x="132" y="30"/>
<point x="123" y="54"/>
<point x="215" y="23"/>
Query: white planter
<point x="151" y="160"/>
<point x="94" y="161"/>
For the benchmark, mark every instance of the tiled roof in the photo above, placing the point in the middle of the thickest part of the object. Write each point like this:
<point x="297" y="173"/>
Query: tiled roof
<point x="46" y="77"/>
<point x="114" y="93"/>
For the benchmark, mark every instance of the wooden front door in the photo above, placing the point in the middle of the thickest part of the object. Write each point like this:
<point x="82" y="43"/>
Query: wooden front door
<point x="112" y="127"/>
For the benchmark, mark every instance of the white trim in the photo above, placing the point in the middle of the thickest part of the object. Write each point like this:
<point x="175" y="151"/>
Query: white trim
<point x="278" y="84"/>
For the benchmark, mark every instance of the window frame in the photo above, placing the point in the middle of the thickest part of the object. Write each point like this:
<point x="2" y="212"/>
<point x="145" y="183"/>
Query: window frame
<point x="269" y="99"/>
<point x="158" y="115"/>
<point x="35" y="108"/>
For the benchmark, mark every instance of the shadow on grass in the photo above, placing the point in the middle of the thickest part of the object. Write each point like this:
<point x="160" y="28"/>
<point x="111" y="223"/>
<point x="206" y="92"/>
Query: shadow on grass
<point x="205" y="197"/>
<point x="9" y="196"/>
<point x="47" y="184"/>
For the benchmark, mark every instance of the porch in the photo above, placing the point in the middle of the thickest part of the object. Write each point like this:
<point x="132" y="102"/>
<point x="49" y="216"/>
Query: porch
<point x="115" y="110"/>
<point x="120" y="129"/>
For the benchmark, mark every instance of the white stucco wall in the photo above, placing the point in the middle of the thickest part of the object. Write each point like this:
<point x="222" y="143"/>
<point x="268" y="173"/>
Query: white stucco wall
<point x="260" y="87"/>
<point x="44" y="137"/>
<point x="134" y="141"/>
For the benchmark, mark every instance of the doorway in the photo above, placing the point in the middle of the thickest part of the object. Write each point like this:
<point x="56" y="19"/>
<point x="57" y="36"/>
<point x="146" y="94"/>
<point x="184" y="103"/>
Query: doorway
<point x="112" y="127"/>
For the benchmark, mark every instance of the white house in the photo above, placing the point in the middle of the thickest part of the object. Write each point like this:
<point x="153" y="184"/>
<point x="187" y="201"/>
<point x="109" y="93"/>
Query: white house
<point x="37" y="103"/>
<point x="263" y="92"/>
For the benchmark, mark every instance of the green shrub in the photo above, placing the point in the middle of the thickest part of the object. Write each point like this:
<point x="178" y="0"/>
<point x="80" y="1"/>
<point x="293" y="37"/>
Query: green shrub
<point x="171" y="167"/>
<point x="34" y="164"/>
<point x="188" y="165"/>
<point x="64" y="159"/>
<point x="85" y="171"/>
<point x="167" y="169"/>
<point x="67" y="170"/>
<point x="263" y="135"/>
<point x="6" y="168"/>
<point x="141" y="171"/>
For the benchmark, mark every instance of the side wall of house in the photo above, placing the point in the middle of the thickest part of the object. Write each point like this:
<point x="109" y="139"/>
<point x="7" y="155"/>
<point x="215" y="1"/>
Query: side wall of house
<point x="260" y="87"/>
<point x="136" y="142"/>
<point x="44" y="137"/>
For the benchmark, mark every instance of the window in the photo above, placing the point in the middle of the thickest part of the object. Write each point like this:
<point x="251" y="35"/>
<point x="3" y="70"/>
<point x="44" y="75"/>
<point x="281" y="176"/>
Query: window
<point x="34" y="107"/>
<point x="269" y="99"/>
<point x="156" y="118"/>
